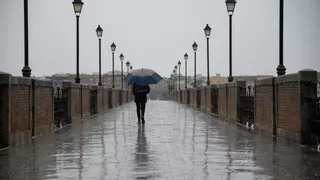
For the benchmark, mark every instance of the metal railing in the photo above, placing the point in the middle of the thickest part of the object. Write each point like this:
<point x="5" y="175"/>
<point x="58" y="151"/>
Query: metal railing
<point x="214" y="100"/>
<point x="246" y="107"/>
<point x="312" y="107"/>
<point x="93" y="102"/>
<point x="60" y="109"/>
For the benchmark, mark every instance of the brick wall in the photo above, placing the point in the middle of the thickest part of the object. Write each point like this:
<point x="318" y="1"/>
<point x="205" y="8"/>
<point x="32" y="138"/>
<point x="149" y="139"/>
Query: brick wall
<point x="264" y="104"/>
<point x="115" y="98"/>
<point x="106" y="98"/>
<point x="233" y="99"/>
<point x="208" y="99"/>
<point x="203" y="98"/>
<point x="43" y="106"/>
<point x="288" y="106"/>
<point x="288" y="110"/>
<point x="124" y="96"/>
<point x="74" y="100"/>
<point x="290" y="113"/>
<point x="222" y="101"/>
<point x="100" y="99"/>
<point x="20" y="110"/>
<point x="232" y="102"/>
<point x="194" y="97"/>
<point x="86" y="100"/>
<point x="184" y="96"/>
<point x="26" y="107"/>
<point x="75" y="103"/>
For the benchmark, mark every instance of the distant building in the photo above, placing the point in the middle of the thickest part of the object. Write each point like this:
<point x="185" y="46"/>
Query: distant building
<point x="218" y="79"/>
<point x="107" y="79"/>
<point x="90" y="79"/>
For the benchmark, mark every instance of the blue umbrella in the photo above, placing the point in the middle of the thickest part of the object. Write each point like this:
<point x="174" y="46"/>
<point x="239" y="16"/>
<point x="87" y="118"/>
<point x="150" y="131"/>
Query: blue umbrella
<point x="143" y="77"/>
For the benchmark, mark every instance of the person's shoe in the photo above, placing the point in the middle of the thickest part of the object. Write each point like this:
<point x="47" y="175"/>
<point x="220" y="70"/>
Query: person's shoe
<point x="142" y="119"/>
<point x="138" y="121"/>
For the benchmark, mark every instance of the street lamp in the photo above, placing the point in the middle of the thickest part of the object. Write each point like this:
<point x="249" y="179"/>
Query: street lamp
<point x="77" y="6"/>
<point x="121" y="59"/>
<point x="175" y="77"/>
<point x="231" y="4"/>
<point x="195" y="48"/>
<point x="185" y="78"/>
<point x="113" y="49"/>
<point x="179" y="65"/>
<point x="99" y="32"/>
<point x="128" y="66"/>
<point x="171" y="86"/>
<point x="26" y="71"/>
<point x="176" y="71"/>
<point x="207" y="32"/>
<point x="281" y="69"/>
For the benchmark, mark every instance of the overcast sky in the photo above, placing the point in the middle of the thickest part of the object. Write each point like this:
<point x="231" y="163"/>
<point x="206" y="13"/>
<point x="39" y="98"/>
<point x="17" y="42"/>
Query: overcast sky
<point x="156" y="34"/>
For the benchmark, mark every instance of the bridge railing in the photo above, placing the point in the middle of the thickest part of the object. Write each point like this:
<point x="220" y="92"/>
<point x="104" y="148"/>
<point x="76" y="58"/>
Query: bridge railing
<point x="32" y="107"/>
<point x="284" y="106"/>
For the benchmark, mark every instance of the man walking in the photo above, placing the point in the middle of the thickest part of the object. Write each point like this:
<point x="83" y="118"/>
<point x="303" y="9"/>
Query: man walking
<point x="140" y="96"/>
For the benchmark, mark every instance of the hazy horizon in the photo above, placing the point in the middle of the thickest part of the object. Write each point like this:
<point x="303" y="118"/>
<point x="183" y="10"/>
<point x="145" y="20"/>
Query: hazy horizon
<point x="156" y="35"/>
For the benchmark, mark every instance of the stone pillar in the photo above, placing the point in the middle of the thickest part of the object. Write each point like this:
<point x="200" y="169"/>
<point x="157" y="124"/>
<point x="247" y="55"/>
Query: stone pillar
<point x="74" y="101"/>
<point x="203" y="98"/>
<point x="291" y="90"/>
<point x="105" y="99"/>
<point x="208" y="98"/>
<point x="22" y="121"/>
<point x="264" y="103"/>
<point x="100" y="98"/>
<point x="222" y="101"/>
<point x="43" y="107"/>
<point x="85" y="101"/>
<point x="233" y="99"/>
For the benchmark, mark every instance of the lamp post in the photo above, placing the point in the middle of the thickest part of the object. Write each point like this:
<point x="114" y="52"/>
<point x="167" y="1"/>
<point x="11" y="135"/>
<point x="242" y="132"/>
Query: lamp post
<point x="99" y="32"/>
<point x="281" y="69"/>
<point x="26" y="71"/>
<point x="195" y="48"/>
<point x="231" y="4"/>
<point x="179" y="65"/>
<point x="113" y="49"/>
<point x="174" y="79"/>
<point x="207" y="32"/>
<point x="185" y="78"/>
<point x="121" y="59"/>
<point x="176" y="76"/>
<point x="171" y="86"/>
<point x="77" y="6"/>
<point x="128" y="66"/>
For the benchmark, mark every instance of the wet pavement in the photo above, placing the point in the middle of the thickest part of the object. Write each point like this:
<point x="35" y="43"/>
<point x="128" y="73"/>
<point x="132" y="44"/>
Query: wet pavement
<point x="176" y="142"/>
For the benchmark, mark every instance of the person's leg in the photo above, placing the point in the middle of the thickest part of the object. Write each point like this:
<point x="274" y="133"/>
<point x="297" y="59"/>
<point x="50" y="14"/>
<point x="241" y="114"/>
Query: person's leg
<point x="143" y="108"/>
<point x="138" y="111"/>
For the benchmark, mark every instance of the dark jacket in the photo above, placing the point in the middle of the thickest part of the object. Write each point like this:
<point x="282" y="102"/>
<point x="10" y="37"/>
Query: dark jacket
<point x="140" y="93"/>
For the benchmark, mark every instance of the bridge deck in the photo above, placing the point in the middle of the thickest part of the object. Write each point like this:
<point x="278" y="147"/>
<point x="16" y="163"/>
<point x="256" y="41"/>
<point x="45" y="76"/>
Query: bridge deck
<point x="177" y="142"/>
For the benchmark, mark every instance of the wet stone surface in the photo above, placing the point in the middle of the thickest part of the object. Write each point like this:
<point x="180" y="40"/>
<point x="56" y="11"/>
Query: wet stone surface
<point x="176" y="143"/>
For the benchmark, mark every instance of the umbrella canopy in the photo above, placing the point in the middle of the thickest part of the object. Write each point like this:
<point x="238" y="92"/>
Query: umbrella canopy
<point x="143" y="77"/>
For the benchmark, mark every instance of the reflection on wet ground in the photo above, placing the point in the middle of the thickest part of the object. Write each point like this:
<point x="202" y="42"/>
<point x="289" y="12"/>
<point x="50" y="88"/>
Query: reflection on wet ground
<point x="176" y="143"/>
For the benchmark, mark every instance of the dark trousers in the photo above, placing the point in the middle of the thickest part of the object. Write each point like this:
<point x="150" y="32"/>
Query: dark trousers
<point x="141" y="107"/>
